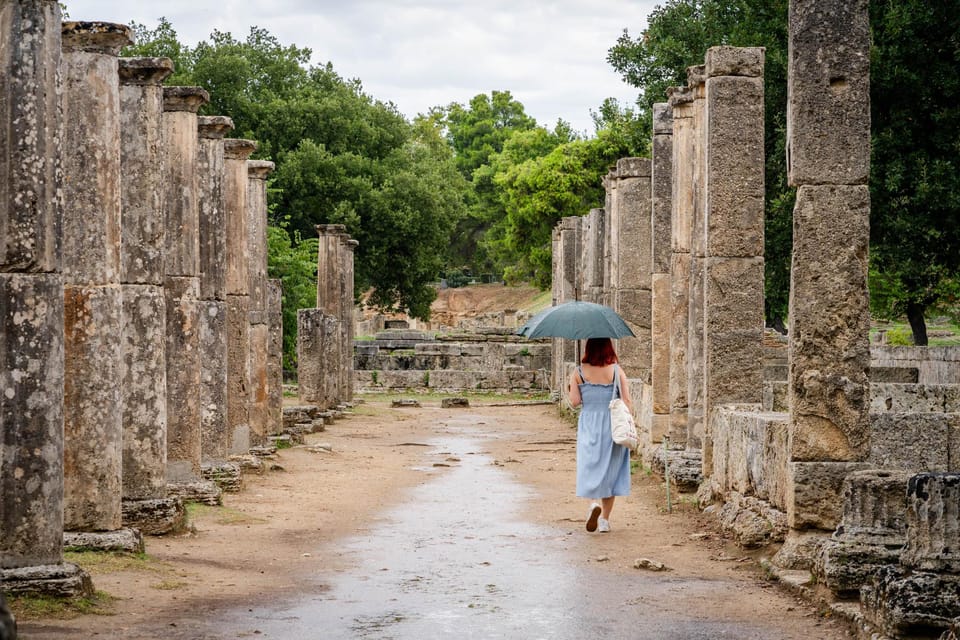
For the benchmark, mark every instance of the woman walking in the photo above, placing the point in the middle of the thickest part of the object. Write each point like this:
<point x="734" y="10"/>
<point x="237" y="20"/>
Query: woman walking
<point x="603" y="468"/>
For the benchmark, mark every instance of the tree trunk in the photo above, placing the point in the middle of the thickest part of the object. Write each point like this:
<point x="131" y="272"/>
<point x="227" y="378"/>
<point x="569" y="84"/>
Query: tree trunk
<point x="917" y="324"/>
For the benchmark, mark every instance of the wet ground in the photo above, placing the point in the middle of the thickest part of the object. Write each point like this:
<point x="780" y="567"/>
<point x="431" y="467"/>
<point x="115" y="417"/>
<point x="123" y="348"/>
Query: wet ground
<point x="459" y="555"/>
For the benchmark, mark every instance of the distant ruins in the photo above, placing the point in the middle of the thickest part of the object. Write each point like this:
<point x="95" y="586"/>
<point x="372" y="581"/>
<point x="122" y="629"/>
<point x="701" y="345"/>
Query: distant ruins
<point x="849" y="457"/>
<point x="141" y="338"/>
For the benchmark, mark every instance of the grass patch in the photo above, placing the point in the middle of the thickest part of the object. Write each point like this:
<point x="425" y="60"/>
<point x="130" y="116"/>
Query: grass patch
<point x="169" y="585"/>
<point x="113" y="562"/>
<point x="46" y="607"/>
<point x="220" y="515"/>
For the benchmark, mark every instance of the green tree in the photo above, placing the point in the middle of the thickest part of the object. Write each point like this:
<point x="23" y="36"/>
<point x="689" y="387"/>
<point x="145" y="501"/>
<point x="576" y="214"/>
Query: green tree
<point x="294" y="261"/>
<point x="915" y="176"/>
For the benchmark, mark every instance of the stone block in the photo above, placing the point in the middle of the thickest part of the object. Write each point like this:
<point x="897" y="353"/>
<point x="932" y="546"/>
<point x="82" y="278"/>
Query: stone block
<point x="679" y="327"/>
<point x="775" y="396"/>
<point x="259" y="411"/>
<point x="845" y="565"/>
<point x="212" y="203"/>
<point x="933" y="523"/>
<point x="214" y="436"/>
<point x="734" y="167"/>
<point x="661" y="307"/>
<point x="200" y="491"/>
<point x="226" y="475"/>
<point x="634" y="306"/>
<point x="814" y="493"/>
<point x="682" y="200"/>
<point x="659" y="427"/>
<point x="662" y="119"/>
<point x="875" y="506"/>
<point x="733" y="372"/>
<point x="829" y="324"/>
<point x="632" y="227"/>
<point x="775" y="372"/>
<point x="274" y="355"/>
<point x="56" y="580"/>
<point x="911" y="441"/>
<point x="661" y="229"/>
<point x="155" y="517"/>
<point x="902" y="603"/>
<point x="31" y="204"/>
<point x="181" y="213"/>
<point x="93" y="416"/>
<point x="913" y="398"/>
<point x="894" y="374"/>
<point x="257" y="172"/>
<point x="144" y="391"/>
<point x="118" y="541"/>
<point x="183" y="378"/>
<point x="633" y="168"/>
<point x="31" y="418"/>
<point x="678" y="427"/>
<point x="828" y="103"/>
<point x="141" y="108"/>
<point x="235" y="177"/>
<point x="734" y="61"/>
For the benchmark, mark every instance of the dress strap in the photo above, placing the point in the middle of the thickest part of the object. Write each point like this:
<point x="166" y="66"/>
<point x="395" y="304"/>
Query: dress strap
<point x="616" y="382"/>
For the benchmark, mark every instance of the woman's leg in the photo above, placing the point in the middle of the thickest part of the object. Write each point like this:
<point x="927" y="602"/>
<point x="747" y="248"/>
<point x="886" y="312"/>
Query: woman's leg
<point x="606" y="505"/>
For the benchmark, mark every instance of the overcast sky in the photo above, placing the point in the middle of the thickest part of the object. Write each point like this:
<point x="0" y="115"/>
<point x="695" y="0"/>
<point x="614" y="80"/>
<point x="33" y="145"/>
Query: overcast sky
<point x="550" y="54"/>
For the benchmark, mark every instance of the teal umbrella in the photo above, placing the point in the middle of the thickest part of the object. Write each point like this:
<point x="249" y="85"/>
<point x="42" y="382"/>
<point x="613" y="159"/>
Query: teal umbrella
<point x="576" y="320"/>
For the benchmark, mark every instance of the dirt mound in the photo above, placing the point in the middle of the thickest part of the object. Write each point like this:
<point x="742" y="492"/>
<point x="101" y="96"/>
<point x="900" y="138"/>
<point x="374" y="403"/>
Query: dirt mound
<point x="454" y="304"/>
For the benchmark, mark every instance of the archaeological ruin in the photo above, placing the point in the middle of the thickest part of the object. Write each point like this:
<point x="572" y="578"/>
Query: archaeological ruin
<point x="141" y="337"/>
<point x="133" y="249"/>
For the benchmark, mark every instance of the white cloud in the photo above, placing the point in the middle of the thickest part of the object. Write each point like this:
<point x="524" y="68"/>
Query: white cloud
<point x="423" y="53"/>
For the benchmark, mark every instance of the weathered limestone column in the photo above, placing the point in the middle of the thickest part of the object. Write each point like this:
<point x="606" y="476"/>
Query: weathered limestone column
<point x="93" y="426"/>
<point x="661" y="178"/>
<point x="733" y="225"/>
<point x="181" y="266"/>
<point x="594" y="242"/>
<point x="630" y="226"/>
<point x="681" y="102"/>
<point x="330" y="297"/>
<point x="565" y="290"/>
<point x="235" y="179"/>
<point x="317" y="346"/>
<point x="609" y="204"/>
<point x="31" y="305"/>
<point x="349" y="248"/>
<point x="214" y="440"/>
<point x="696" y="304"/>
<point x="257" y="172"/>
<point x="275" y="355"/>
<point x="828" y="159"/>
<point x="144" y="376"/>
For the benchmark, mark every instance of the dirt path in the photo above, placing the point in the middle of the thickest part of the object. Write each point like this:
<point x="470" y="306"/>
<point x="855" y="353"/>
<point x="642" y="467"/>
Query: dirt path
<point x="486" y="492"/>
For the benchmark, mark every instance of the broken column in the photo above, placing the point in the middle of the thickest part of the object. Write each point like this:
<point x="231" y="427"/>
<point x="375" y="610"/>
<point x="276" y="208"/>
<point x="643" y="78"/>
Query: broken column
<point x="144" y="376"/>
<point x="593" y="242"/>
<point x="733" y="233"/>
<point x="317" y="347"/>
<point x="630" y="226"/>
<point x="275" y="355"/>
<point x="257" y="172"/>
<point x="235" y="153"/>
<point x="93" y="411"/>
<point x="921" y="597"/>
<point x="182" y="292"/>
<point x="348" y="248"/>
<point x="681" y="102"/>
<point x="661" y="178"/>
<point x="828" y="159"/>
<point x="31" y="306"/>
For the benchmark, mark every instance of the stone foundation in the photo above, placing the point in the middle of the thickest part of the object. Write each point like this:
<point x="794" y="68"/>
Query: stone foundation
<point x="64" y="580"/>
<point x="155" y="517"/>
<point x="202" y="491"/>
<point x="122" y="540"/>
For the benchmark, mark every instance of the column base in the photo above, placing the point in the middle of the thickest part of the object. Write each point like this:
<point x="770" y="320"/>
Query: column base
<point x="225" y="475"/>
<point x="155" y="517"/>
<point x="123" y="540"/>
<point x="800" y="549"/>
<point x="202" y="491"/>
<point x="905" y="603"/>
<point x="64" y="580"/>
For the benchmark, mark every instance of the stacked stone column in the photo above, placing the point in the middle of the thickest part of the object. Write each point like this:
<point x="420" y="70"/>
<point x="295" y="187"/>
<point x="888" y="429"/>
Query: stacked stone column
<point x="594" y="243"/>
<point x="681" y="103"/>
<point x="181" y="267"/>
<point x="733" y="233"/>
<point x="214" y="441"/>
<point x="630" y="233"/>
<point x="144" y="376"/>
<point x="828" y="160"/>
<point x="31" y="305"/>
<point x="661" y="178"/>
<point x="93" y="427"/>
<point x="275" y="355"/>
<point x="257" y="172"/>
<point x="696" y="305"/>
<point x="566" y="243"/>
<point x="235" y="180"/>
<point x="348" y="250"/>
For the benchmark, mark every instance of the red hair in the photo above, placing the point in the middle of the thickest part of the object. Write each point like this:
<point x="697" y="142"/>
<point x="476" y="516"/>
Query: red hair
<point x="599" y="352"/>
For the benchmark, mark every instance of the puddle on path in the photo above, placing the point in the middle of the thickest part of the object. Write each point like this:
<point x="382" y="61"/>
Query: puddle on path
<point x="458" y="559"/>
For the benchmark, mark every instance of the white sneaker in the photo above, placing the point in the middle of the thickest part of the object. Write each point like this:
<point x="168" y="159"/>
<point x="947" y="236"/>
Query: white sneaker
<point x="604" y="525"/>
<point x="592" y="516"/>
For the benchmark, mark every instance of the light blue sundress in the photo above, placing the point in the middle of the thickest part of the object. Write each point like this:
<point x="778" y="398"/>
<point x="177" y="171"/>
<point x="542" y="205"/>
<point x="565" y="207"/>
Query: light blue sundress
<point x="603" y="468"/>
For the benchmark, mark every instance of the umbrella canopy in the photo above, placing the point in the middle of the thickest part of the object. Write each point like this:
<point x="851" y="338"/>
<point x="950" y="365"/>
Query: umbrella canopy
<point x="576" y="320"/>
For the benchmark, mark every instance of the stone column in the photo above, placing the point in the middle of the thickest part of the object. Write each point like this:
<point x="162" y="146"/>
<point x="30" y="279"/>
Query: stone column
<point x="609" y="203"/>
<point x="93" y="426"/>
<point x="681" y="102"/>
<point x="214" y="440"/>
<point x="144" y="375"/>
<point x="733" y="232"/>
<point x="592" y="256"/>
<point x="181" y="267"/>
<point x="257" y="172"/>
<point x="828" y="159"/>
<point x="696" y="307"/>
<point x="31" y="305"/>
<point x="630" y="230"/>
<point x="235" y="179"/>
<point x="330" y="297"/>
<point x="349" y="247"/>
<point x="275" y="355"/>
<point x="661" y="178"/>
<point x="565" y="290"/>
